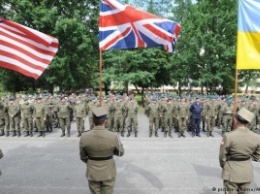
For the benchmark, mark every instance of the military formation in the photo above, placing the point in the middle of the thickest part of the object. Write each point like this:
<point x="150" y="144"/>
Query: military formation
<point x="169" y="114"/>
<point x="190" y="114"/>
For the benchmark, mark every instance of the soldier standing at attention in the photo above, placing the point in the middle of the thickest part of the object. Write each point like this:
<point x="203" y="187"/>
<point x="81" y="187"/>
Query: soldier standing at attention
<point x="210" y="116"/>
<point x="6" y="116"/>
<point x="168" y="112"/>
<point x="14" y="116"/>
<point x="97" y="148"/>
<point x="64" y="110"/>
<point x="40" y="116"/>
<point x="182" y="117"/>
<point x="153" y="113"/>
<point x="79" y="113"/>
<point x="2" y="119"/>
<point x="27" y="111"/>
<point x="227" y="118"/>
<point x="237" y="150"/>
<point x="131" y="112"/>
<point x="119" y="111"/>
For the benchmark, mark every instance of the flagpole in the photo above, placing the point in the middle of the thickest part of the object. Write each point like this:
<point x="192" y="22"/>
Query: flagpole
<point x="236" y="89"/>
<point x="100" y="76"/>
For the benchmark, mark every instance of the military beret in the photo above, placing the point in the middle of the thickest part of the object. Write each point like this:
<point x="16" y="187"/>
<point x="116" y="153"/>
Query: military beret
<point x="11" y="98"/>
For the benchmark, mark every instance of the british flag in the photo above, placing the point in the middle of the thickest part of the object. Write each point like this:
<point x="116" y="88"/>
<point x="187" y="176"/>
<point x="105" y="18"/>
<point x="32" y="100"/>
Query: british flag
<point x="124" y="27"/>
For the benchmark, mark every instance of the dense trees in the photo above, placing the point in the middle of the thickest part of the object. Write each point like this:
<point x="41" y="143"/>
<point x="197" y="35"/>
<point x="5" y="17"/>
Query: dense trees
<point x="204" y="56"/>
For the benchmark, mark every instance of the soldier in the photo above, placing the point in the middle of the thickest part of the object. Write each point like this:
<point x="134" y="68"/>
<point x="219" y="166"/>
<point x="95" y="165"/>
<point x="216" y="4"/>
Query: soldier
<point x="196" y="109"/>
<point x="14" y="116"/>
<point x="253" y="107"/>
<point x="64" y="113"/>
<point x="228" y="115"/>
<point x="39" y="116"/>
<point x="210" y="116"/>
<point x="182" y="117"/>
<point x="1" y="156"/>
<point x="97" y="148"/>
<point x="27" y="111"/>
<point x="6" y="116"/>
<point x="131" y="112"/>
<point x="92" y="104"/>
<point x="168" y="112"/>
<point x="2" y="119"/>
<point x="119" y="111"/>
<point x="237" y="150"/>
<point x="79" y="112"/>
<point x="153" y="113"/>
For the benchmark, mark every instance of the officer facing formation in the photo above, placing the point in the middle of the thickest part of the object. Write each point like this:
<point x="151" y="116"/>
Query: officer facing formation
<point x="237" y="150"/>
<point x="97" y="148"/>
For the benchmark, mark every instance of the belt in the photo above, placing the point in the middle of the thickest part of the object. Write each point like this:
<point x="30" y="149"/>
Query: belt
<point x="238" y="159"/>
<point x="100" y="158"/>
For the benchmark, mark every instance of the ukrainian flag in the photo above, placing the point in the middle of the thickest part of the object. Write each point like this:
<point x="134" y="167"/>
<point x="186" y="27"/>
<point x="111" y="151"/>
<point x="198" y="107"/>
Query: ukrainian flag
<point x="248" y="35"/>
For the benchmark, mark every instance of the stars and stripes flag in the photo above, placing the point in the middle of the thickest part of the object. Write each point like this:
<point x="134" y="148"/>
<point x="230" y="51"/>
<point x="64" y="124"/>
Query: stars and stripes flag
<point x="124" y="27"/>
<point x="25" y="50"/>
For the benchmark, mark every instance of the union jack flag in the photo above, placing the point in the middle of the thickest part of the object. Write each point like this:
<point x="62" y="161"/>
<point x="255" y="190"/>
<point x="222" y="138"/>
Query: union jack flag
<point x="124" y="27"/>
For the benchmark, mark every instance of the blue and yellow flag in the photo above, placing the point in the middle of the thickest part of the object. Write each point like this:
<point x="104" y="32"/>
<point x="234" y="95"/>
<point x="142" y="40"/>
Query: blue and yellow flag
<point x="248" y="35"/>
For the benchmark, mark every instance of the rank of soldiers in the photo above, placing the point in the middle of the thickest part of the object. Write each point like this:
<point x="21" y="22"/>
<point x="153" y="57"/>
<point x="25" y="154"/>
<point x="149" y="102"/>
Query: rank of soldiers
<point x="40" y="114"/>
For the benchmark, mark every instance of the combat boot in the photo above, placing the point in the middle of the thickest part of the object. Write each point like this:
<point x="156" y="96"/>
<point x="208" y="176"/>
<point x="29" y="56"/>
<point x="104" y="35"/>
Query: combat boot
<point x="68" y="134"/>
<point x="43" y="133"/>
<point x="40" y="134"/>
<point x="223" y="133"/>
<point x="179" y="135"/>
<point x="128" y="134"/>
<point x="136" y="133"/>
<point x="156" y="134"/>
<point x="122" y="133"/>
<point x="7" y="133"/>
<point x="170" y="134"/>
<point x="208" y="134"/>
<point x="2" y="133"/>
<point x="19" y="133"/>
<point x="182" y="134"/>
<point x="165" y="133"/>
<point x="26" y="134"/>
<point x="50" y="129"/>
<point x="14" y="133"/>
<point x="150" y="134"/>
<point x="62" y="134"/>
<point x="211" y="134"/>
<point x="79" y="134"/>
<point x="31" y="134"/>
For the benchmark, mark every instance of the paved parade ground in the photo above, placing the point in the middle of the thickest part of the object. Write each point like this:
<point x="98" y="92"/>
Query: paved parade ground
<point x="51" y="165"/>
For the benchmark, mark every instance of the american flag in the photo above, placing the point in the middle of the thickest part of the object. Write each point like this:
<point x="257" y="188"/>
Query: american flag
<point x="123" y="27"/>
<point x="25" y="50"/>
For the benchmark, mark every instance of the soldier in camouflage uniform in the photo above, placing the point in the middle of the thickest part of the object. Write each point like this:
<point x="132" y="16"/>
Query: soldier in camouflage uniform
<point x="168" y="112"/>
<point x="153" y="113"/>
<point x="182" y="117"/>
<point x="210" y="109"/>
<point x="228" y="116"/>
<point x="14" y="116"/>
<point x="64" y="113"/>
<point x="39" y="116"/>
<point x="254" y="108"/>
<point x="2" y="118"/>
<point x="27" y="111"/>
<point x="131" y="112"/>
<point x="119" y="110"/>
<point x="92" y="104"/>
<point x="79" y="113"/>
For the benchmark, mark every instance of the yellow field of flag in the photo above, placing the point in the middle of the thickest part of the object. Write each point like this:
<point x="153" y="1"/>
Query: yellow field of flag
<point x="248" y="35"/>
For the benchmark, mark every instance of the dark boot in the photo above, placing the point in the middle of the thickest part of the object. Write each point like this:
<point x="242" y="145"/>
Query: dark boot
<point x="79" y="134"/>
<point x="150" y="134"/>
<point x="50" y="130"/>
<point x="2" y="133"/>
<point x="40" y="134"/>
<point x="19" y="133"/>
<point x="7" y="133"/>
<point x="208" y="134"/>
<point x="14" y="133"/>
<point x="156" y="134"/>
<point x="211" y="134"/>
<point x="26" y="134"/>
<point x="68" y="134"/>
<point x="62" y="134"/>
<point x="122" y="133"/>
<point x="43" y="133"/>
<point x="179" y="135"/>
<point x="182" y="134"/>
<point x="47" y="129"/>
<point x="165" y="133"/>
<point x="136" y="133"/>
<point x="31" y="134"/>
<point x="170" y="134"/>
<point x="128" y="134"/>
